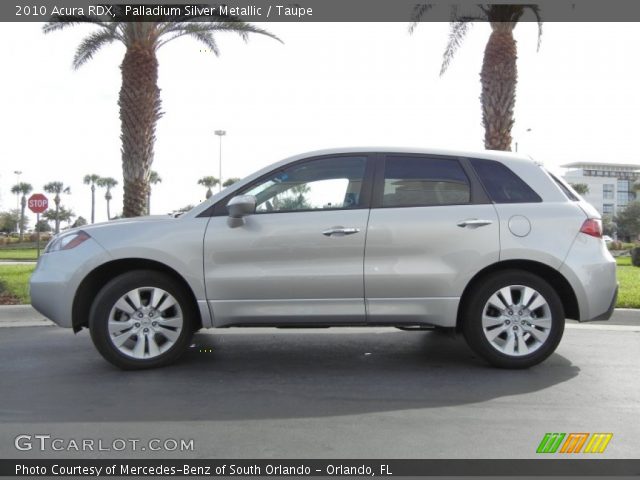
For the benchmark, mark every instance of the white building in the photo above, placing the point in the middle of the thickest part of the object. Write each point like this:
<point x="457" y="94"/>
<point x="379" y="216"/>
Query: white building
<point x="610" y="184"/>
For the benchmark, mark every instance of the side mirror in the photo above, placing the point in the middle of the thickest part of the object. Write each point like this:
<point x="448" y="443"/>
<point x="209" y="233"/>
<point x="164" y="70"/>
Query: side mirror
<point x="240" y="207"/>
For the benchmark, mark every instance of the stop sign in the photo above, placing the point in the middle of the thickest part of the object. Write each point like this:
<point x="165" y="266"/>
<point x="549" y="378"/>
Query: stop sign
<point x="38" y="203"/>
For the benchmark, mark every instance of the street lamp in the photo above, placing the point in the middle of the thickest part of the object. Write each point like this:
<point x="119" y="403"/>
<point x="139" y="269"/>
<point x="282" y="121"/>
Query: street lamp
<point x="527" y="130"/>
<point x="220" y="134"/>
<point x="18" y="173"/>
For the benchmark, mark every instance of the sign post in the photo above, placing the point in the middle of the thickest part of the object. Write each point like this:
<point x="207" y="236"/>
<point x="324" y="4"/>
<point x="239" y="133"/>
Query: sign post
<point x="38" y="203"/>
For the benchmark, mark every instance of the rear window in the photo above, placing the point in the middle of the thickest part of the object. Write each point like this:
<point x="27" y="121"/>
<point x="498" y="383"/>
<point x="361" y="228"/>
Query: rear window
<point x="501" y="184"/>
<point x="565" y="189"/>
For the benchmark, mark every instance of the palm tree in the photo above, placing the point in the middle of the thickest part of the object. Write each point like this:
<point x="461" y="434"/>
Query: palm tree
<point x="24" y="189"/>
<point x="92" y="179"/>
<point x="499" y="74"/>
<point x="108" y="183"/>
<point x="59" y="215"/>
<point x="57" y="188"/>
<point x="581" y="188"/>
<point x="230" y="181"/>
<point x="208" y="182"/>
<point x="154" y="179"/>
<point x="139" y="99"/>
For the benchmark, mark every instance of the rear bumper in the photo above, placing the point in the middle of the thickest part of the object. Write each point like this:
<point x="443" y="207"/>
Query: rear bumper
<point x="591" y="271"/>
<point x="607" y="315"/>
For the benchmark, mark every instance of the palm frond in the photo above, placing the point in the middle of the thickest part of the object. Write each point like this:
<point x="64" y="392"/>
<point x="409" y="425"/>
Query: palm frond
<point x="90" y="46"/>
<point x="208" y="40"/>
<point x="418" y="12"/>
<point x="202" y="29"/>
<point x="536" y="12"/>
<point x="457" y="34"/>
<point x="59" y="22"/>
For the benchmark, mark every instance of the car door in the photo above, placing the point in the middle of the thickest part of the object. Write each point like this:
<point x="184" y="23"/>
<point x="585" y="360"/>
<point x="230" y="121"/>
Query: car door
<point x="299" y="258"/>
<point x="431" y="229"/>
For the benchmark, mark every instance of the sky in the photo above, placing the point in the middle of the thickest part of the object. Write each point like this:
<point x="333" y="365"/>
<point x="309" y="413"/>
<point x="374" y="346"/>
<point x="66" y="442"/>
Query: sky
<point x="328" y="85"/>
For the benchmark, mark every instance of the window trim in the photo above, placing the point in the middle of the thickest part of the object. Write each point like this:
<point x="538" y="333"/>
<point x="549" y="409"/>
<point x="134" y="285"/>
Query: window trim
<point x="477" y="195"/>
<point x="219" y="209"/>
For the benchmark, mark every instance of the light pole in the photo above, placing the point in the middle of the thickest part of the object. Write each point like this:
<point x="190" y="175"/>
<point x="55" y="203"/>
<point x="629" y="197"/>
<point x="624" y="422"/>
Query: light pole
<point x="527" y="130"/>
<point x="18" y="173"/>
<point x="220" y="134"/>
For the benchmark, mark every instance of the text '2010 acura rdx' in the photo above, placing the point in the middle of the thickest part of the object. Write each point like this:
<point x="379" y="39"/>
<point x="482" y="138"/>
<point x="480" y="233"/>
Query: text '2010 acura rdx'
<point x="489" y="244"/>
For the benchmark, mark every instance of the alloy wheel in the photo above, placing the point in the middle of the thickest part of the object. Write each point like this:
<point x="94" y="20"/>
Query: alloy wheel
<point x="516" y="320"/>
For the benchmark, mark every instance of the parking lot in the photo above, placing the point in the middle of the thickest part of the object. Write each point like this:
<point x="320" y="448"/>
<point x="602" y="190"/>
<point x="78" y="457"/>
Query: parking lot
<point x="326" y="393"/>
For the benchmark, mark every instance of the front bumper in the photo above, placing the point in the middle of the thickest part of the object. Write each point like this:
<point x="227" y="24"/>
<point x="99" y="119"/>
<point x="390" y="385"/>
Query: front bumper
<point x="55" y="280"/>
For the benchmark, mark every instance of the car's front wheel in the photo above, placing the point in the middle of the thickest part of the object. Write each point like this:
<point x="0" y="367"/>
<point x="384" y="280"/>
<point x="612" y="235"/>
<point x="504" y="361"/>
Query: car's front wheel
<point x="142" y="319"/>
<point x="514" y="319"/>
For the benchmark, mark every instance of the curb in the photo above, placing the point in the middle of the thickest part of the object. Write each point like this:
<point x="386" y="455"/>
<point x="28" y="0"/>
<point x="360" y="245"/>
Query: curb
<point x="27" y="316"/>
<point x="22" y="316"/>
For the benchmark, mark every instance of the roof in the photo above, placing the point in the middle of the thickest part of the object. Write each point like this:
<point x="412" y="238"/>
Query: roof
<point x="604" y="166"/>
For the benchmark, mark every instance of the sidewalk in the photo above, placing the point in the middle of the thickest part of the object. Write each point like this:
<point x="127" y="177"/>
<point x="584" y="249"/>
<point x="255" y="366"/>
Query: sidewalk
<point x="26" y="316"/>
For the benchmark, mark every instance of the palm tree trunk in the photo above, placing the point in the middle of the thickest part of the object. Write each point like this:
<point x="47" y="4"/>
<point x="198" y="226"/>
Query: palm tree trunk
<point x="108" y="209"/>
<point x="139" y="112"/>
<point x="23" y="204"/>
<point x="498" y="77"/>
<point x="56" y="200"/>
<point x="149" y="201"/>
<point x="93" y="203"/>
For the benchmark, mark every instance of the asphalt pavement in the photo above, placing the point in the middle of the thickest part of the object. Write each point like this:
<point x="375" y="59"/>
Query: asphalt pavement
<point x="327" y="393"/>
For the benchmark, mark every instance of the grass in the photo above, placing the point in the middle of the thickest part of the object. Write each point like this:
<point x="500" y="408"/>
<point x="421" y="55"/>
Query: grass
<point x="629" y="278"/>
<point x="15" y="279"/>
<point x="18" y="253"/>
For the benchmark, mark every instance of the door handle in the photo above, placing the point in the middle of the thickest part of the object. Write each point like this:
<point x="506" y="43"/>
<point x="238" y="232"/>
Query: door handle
<point x="474" y="223"/>
<point x="340" y="231"/>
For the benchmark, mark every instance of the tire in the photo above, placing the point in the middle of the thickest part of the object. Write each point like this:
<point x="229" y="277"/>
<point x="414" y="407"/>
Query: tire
<point x="514" y="319"/>
<point x="142" y="319"/>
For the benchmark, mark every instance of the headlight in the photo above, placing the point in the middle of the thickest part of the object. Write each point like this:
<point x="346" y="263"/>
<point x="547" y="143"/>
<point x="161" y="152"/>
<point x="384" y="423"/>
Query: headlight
<point x="67" y="241"/>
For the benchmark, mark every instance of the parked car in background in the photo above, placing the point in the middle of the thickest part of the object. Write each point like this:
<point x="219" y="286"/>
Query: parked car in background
<point x="607" y="239"/>
<point x="489" y="244"/>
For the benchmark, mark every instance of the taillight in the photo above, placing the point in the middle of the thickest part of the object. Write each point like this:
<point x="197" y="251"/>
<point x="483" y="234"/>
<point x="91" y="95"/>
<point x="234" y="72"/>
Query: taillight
<point x="593" y="227"/>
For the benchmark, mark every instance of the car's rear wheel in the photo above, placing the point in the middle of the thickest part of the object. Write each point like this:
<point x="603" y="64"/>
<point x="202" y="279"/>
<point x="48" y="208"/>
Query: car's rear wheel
<point x="514" y="319"/>
<point x="142" y="319"/>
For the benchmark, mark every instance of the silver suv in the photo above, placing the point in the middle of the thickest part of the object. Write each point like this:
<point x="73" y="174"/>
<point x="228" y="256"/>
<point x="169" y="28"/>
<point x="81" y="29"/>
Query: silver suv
<point x="489" y="244"/>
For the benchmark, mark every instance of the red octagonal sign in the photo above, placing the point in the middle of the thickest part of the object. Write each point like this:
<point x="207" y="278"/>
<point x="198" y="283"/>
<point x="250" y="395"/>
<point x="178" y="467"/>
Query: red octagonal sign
<point x="38" y="203"/>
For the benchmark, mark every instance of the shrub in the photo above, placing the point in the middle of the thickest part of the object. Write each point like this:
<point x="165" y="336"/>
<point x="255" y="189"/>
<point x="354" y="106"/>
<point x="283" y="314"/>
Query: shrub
<point x="615" y="245"/>
<point x="635" y="257"/>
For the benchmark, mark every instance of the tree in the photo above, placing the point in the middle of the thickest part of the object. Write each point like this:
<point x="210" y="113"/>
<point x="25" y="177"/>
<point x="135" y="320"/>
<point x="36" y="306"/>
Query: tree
<point x="499" y="75"/>
<point x="154" y="179"/>
<point x="108" y="183"/>
<point x="628" y="221"/>
<point x="230" y="181"/>
<point x="93" y="180"/>
<point x="293" y="198"/>
<point x="42" y="226"/>
<point x="9" y="221"/>
<point x="80" y="222"/>
<point x="57" y="188"/>
<point x="59" y="215"/>
<point x="208" y="182"/>
<point x="139" y="99"/>
<point x="581" y="188"/>
<point x="23" y="189"/>
<point x="608" y="226"/>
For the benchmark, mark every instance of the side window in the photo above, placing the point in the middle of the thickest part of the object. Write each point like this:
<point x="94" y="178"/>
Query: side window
<point x="411" y="181"/>
<point x="502" y="185"/>
<point x="327" y="183"/>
